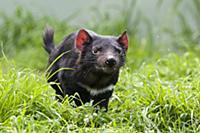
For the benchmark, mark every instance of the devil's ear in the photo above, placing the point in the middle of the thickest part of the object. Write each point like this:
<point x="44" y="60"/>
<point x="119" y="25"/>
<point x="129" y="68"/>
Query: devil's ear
<point x="82" y="38"/>
<point x="123" y="40"/>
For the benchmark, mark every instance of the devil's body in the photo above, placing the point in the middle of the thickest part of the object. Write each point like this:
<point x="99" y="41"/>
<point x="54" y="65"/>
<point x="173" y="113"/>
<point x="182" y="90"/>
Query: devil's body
<point x="75" y="70"/>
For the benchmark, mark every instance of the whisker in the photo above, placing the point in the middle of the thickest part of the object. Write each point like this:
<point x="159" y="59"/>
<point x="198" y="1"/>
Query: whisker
<point x="88" y="61"/>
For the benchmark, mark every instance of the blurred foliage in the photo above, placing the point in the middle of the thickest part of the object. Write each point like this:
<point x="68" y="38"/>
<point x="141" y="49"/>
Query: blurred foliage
<point x="21" y="37"/>
<point x="187" y="19"/>
<point x="21" y="33"/>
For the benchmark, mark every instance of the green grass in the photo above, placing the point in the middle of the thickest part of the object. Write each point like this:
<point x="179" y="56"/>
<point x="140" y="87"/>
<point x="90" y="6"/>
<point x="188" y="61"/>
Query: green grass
<point x="158" y="89"/>
<point x="161" y="95"/>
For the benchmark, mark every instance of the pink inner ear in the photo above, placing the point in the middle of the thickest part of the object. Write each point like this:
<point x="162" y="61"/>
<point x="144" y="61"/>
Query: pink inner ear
<point x="81" y="38"/>
<point x="123" y="39"/>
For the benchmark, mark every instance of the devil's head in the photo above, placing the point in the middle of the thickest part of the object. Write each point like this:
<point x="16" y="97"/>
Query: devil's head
<point x="104" y="54"/>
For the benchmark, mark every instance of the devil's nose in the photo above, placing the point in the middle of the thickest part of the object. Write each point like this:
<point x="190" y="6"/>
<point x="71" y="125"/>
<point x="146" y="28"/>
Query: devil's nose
<point x="110" y="62"/>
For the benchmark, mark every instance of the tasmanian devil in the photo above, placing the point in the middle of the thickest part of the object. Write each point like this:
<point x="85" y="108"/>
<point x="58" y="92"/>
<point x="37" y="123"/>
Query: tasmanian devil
<point x="93" y="61"/>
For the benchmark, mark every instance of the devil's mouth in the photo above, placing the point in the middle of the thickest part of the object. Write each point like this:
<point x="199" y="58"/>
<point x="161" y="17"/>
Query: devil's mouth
<point x="106" y="69"/>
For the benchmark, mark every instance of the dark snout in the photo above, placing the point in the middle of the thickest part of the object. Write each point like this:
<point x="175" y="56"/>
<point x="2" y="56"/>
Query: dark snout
<point x="110" y="62"/>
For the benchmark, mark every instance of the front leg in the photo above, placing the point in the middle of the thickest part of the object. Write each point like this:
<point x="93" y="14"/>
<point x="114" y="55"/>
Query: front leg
<point x="82" y="97"/>
<point x="102" y="99"/>
<point x="79" y="95"/>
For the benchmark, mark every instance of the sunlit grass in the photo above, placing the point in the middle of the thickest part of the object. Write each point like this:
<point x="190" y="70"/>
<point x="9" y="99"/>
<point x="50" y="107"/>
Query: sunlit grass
<point x="159" y="96"/>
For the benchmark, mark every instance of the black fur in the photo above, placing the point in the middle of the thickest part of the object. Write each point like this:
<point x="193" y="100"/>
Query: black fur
<point x="86" y="67"/>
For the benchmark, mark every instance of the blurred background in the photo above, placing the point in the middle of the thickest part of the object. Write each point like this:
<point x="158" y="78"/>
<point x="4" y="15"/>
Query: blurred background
<point x="155" y="27"/>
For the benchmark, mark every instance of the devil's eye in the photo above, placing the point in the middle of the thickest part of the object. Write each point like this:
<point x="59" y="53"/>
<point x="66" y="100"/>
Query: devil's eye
<point x="96" y="50"/>
<point x="119" y="51"/>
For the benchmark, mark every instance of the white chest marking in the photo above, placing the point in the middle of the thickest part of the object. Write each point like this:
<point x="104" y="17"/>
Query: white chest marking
<point x="94" y="92"/>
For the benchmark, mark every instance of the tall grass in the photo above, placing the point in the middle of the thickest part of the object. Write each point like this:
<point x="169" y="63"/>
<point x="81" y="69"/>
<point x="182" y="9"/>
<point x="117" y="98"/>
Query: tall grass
<point x="186" y="16"/>
<point x="161" y="96"/>
<point x="21" y="36"/>
<point x="156" y="92"/>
